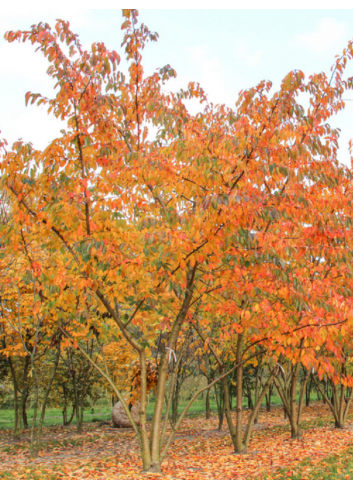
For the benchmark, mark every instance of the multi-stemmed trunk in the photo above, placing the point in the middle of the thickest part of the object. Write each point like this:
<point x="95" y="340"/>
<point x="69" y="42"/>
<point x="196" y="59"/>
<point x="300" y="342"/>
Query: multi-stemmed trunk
<point x="254" y="414"/>
<point x="35" y="439"/>
<point x="288" y="392"/>
<point x="170" y="397"/>
<point x="66" y="420"/>
<point x="151" y="447"/>
<point x="340" y="403"/>
<point x="236" y="432"/>
<point x="153" y="452"/>
<point x="154" y="456"/>
<point x="240" y="441"/>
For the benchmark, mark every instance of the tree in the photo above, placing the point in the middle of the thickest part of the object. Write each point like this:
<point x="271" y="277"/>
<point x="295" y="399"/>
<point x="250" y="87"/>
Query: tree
<point x="222" y="211"/>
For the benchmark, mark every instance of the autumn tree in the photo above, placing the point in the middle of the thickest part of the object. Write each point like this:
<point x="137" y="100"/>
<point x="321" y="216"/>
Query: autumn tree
<point x="235" y="212"/>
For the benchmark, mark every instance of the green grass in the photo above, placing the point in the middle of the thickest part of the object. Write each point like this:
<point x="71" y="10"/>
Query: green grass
<point x="336" y="467"/>
<point x="30" y="473"/>
<point x="53" y="416"/>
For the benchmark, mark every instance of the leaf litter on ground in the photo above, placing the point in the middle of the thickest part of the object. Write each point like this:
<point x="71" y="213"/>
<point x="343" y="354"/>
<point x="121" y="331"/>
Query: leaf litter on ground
<point x="199" y="452"/>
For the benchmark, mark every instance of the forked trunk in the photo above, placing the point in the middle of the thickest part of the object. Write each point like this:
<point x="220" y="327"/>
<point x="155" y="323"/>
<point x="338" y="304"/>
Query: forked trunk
<point x="291" y="409"/>
<point x="35" y="446"/>
<point x="254" y="414"/>
<point x="340" y="405"/>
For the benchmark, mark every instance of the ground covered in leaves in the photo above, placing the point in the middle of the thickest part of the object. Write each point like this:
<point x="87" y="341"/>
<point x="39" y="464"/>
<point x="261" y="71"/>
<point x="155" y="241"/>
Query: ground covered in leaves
<point x="200" y="451"/>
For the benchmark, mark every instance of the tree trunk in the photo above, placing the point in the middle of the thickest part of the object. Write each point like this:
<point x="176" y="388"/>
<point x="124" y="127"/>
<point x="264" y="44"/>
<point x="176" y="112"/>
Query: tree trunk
<point x="208" y="406"/>
<point x="162" y="452"/>
<point x="25" y="392"/>
<point x="289" y="407"/>
<point x="155" y="451"/>
<point x="289" y="400"/>
<point x="268" y="401"/>
<point x="250" y="403"/>
<point x="64" y="413"/>
<point x="295" y="430"/>
<point x="42" y="414"/>
<point x="17" y="421"/>
<point x="72" y="415"/>
<point x="256" y="390"/>
<point x="34" y="449"/>
<point x="175" y="402"/>
<point x="77" y="402"/>
<point x="301" y="398"/>
<point x="308" y="392"/>
<point x="339" y="407"/>
<point x="24" y="412"/>
<point x="154" y="455"/>
<point x="253" y="416"/>
<point x="78" y="414"/>
<point x="169" y="400"/>
<point x="82" y="405"/>
<point x="145" y="449"/>
<point x="220" y="406"/>
<point x="239" y="425"/>
<point x="228" y="411"/>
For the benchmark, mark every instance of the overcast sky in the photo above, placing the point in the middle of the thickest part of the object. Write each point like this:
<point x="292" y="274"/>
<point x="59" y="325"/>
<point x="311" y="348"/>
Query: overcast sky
<point x="224" y="50"/>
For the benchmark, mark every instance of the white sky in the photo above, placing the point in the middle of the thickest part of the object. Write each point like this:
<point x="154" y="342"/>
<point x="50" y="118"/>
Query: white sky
<point x="224" y="50"/>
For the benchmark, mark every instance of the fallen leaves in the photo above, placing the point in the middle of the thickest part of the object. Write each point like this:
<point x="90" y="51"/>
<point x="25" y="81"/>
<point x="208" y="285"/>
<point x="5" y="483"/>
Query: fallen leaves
<point x="200" y="452"/>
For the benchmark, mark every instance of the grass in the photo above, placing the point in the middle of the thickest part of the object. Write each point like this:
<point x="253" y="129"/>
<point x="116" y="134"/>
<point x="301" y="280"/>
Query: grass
<point x="31" y="473"/>
<point x="336" y="467"/>
<point x="54" y="417"/>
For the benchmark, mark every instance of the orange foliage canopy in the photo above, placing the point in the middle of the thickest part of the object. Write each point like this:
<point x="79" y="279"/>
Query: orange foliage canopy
<point x="244" y="215"/>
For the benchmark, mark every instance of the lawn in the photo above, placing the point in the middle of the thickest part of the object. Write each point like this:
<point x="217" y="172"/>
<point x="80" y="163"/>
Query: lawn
<point x="102" y="412"/>
<point x="335" y="467"/>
